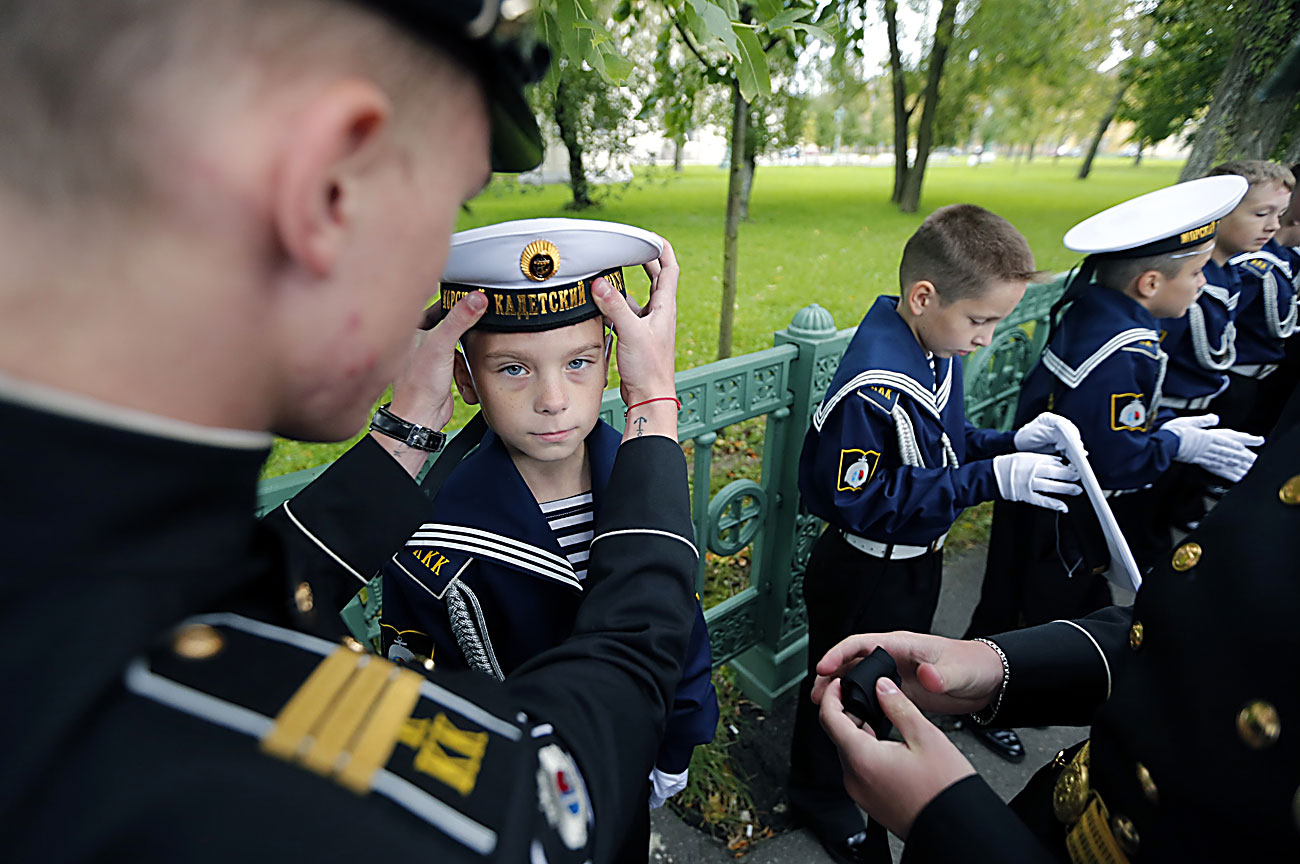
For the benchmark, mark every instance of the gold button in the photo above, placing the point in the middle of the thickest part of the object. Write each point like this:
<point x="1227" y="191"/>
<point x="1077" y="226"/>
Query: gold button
<point x="303" y="598"/>
<point x="1126" y="833"/>
<point x="197" y="642"/>
<point x="1290" y="491"/>
<point x="428" y="664"/>
<point x="1135" y="635"/>
<point x="1148" y="785"/>
<point x="351" y="644"/>
<point x="1187" y="556"/>
<point x="1258" y="724"/>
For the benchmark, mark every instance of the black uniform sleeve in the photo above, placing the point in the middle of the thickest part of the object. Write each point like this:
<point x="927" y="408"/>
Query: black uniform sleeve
<point x="1060" y="671"/>
<point x="968" y="823"/>
<point x="336" y="534"/>
<point x="607" y="689"/>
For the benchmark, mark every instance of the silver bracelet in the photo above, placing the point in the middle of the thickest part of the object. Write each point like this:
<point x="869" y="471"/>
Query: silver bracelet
<point x="985" y="715"/>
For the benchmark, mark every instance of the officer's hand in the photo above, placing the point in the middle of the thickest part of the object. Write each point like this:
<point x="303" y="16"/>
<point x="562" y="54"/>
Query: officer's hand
<point x="422" y="390"/>
<point x="646" y="335"/>
<point x="1034" y="477"/>
<point x="947" y="676"/>
<point x="1047" y="433"/>
<point x="1223" y="452"/>
<point x="893" y="781"/>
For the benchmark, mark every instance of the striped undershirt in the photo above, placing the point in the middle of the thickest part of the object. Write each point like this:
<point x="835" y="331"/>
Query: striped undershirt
<point x="571" y="521"/>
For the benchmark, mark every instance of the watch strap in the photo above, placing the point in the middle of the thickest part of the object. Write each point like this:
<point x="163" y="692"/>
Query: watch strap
<point x="411" y="434"/>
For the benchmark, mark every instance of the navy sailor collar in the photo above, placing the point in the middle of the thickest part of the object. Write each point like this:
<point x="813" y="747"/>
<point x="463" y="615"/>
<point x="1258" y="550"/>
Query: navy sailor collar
<point x="884" y="352"/>
<point x="485" y="510"/>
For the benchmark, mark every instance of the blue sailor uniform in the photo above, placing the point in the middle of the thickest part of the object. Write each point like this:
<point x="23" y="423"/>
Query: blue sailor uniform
<point x="1202" y="343"/>
<point x="484" y="584"/>
<point x="919" y="462"/>
<point x="1265" y="320"/>
<point x="1103" y="369"/>
<point x="889" y="462"/>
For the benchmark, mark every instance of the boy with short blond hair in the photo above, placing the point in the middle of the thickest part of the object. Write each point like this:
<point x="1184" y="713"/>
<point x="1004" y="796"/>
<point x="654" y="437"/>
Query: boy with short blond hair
<point x="891" y="461"/>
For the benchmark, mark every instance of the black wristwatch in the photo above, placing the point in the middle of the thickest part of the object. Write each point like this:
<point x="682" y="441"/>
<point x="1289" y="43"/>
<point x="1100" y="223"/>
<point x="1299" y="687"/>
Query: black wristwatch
<point x="387" y="423"/>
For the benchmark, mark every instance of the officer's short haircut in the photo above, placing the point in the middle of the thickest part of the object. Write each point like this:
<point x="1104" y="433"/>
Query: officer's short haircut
<point x="83" y="82"/>
<point x="1119" y="273"/>
<point x="962" y="249"/>
<point x="1256" y="171"/>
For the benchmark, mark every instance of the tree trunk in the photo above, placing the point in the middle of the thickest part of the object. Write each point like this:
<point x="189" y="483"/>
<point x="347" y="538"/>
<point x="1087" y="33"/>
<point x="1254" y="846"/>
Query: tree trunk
<point x="901" y="114"/>
<point x="1137" y="157"/>
<point x="1236" y="126"/>
<point x="566" y="117"/>
<point x="731" y="238"/>
<point x="679" y="144"/>
<point x="925" y="133"/>
<point x="1086" y="168"/>
<point x="748" y="165"/>
<point x="1029" y="155"/>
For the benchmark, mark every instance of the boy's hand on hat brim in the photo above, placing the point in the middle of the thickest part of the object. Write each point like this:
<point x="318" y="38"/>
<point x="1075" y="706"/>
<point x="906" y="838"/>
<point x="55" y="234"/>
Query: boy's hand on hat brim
<point x="646" y="336"/>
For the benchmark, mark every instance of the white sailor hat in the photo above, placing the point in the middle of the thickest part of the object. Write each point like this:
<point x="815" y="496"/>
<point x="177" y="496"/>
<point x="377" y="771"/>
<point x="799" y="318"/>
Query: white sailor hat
<point x="1166" y="220"/>
<point x="537" y="273"/>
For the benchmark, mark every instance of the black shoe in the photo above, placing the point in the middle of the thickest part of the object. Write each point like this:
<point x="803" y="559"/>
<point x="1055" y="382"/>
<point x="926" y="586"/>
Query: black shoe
<point x="860" y="848"/>
<point x="1004" y="742"/>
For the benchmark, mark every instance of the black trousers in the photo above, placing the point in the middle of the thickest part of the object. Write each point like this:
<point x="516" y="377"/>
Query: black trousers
<point x="847" y="592"/>
<point x="1035" y="571"/>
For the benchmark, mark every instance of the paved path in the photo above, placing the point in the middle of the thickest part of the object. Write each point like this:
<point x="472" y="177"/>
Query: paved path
<point x="672" y="840"/>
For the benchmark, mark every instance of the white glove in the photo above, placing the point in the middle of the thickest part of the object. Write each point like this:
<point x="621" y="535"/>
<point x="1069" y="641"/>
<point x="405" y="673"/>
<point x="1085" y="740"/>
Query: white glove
<point x="1222" y="452"/>
<point x="1046" y="433"/>
<point x="1032" y="477"/>
<point x="664" y="786"/>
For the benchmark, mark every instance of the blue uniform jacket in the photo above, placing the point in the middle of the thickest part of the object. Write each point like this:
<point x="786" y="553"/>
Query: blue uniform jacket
<point x="1187" y="376"/>
<point x="1266" y="312"/>
<point x="1102" y="370"/>
<point x="853" y="472"/>
<point x="487" y="549"/>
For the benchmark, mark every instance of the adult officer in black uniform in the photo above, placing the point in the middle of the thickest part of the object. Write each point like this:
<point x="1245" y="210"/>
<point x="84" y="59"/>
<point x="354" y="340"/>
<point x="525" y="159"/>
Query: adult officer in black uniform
<point x="221" y="218"/>
<point x="1192" y="695"/>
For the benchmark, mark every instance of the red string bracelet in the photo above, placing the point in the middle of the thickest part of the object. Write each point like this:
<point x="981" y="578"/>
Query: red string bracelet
<point x="656" y="399"/>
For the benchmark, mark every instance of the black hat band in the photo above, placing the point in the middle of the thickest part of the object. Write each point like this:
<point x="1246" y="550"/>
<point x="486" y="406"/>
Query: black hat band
<point x="526" y="310"/>
<point x="1182" y="240"/>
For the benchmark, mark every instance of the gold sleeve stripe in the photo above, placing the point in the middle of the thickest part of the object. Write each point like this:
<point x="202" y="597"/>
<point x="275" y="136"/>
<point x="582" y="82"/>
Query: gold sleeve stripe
<point x="344" y="720"/>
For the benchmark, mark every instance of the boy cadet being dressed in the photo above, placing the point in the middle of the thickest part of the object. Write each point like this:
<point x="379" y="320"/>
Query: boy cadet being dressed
<point x="1266" y="310"/>
<point x="891" y="461"/>
<point x="1103" y="368"/>
<point x="497" y="573"/>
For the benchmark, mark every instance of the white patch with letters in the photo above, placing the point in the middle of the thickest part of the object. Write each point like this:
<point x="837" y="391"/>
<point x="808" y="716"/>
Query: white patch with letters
<point x="562" y="795"/>
<point x="1134" y="414"/>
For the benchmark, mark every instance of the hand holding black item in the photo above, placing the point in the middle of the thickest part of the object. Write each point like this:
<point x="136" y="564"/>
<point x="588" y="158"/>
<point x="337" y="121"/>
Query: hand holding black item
<point x="859" y="689"/>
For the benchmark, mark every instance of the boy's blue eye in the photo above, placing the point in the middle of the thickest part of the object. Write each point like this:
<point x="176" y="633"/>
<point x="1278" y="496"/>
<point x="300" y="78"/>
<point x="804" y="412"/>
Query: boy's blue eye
<point x="514" y="370"/>
<point x="579" y="363"/>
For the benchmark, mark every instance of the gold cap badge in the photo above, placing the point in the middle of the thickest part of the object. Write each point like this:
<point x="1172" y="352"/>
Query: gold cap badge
<point x="540" y="260"/>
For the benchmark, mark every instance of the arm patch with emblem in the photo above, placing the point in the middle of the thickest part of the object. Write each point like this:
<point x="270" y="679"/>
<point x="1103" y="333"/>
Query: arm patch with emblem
<point x="856" y="468"/>
<point x="1127" y="413"/>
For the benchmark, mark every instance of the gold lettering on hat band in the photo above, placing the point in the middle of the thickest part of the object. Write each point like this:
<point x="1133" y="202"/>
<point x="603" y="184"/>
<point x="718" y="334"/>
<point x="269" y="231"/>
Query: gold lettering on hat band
<point x="540" y="260"/>
<point x="1202" y="233"/>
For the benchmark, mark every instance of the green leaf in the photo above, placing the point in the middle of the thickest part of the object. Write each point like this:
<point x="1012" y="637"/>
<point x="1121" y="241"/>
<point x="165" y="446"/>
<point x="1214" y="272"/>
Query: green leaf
<point x="814" y="31"/>
<point x="717" y="24"/>
<point x="751" y="64"/>
<point x="786" y="18"/>
<point x="617" y="67"/>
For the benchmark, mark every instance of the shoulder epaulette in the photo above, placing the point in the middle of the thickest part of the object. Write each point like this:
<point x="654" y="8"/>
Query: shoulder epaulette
<point x="1073" y="376"/>
<point x="1259" y="262"/>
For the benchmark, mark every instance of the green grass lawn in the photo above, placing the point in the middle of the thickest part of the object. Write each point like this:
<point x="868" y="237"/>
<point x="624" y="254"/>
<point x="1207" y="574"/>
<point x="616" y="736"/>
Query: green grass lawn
<point x="815" y="235"/>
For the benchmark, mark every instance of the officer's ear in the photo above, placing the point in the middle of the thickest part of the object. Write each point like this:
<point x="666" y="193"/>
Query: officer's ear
<point x="322" y="156"/>
<point x="920" y="296"/>
<point x="464" y="380"/>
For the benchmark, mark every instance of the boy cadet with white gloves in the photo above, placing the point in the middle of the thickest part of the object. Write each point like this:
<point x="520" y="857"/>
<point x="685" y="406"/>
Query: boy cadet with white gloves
<point x="1103" y="368"/>
<point x="891" y="461"/>
<point x="496" y="574"/>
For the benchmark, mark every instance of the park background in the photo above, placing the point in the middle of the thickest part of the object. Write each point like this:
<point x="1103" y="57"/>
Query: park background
<point x="788" y="148"/>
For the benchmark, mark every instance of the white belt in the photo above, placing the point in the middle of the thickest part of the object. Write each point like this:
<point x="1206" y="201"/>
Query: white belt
<point x="1197" y="404"/>
<point x="895" y="551"/>
<point x="1254" y="370"/>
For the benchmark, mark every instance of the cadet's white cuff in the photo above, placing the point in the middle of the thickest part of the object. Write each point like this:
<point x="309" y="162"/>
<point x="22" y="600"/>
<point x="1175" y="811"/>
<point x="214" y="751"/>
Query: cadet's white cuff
<point x="664" y="786"/>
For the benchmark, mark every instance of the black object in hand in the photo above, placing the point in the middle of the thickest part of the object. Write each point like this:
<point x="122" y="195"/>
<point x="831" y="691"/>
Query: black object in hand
<point x="858" y="689"/>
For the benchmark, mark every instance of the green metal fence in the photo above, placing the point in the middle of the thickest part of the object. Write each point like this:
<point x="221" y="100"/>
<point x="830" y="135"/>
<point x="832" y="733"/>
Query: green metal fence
<point x="762" y="630"/>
